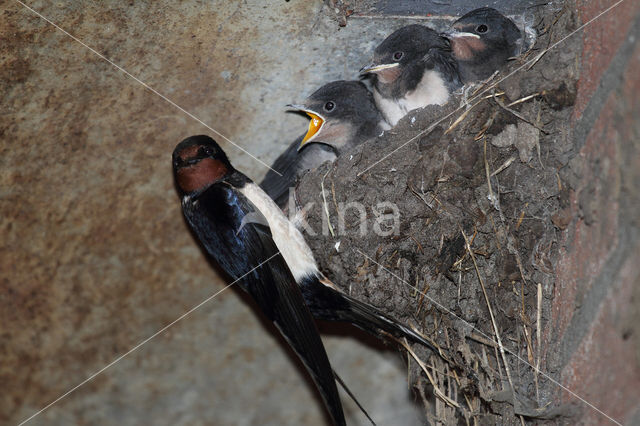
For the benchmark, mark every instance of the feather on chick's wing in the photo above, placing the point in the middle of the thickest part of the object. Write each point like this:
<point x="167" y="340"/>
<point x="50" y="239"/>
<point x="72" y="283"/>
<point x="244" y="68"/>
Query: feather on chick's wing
<point x="290" y="164"/>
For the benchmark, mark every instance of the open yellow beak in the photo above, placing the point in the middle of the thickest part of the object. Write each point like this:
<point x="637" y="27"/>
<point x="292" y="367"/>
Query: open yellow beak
<point x="315" y="124"/>
<point x="314" y="127"/>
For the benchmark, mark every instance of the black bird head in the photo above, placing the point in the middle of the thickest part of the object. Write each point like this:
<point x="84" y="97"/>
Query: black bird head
<point x="484" y="38"/>
<point x="402" y="48"/>
<point x="342" y="113"/>
<point x="198" y="162"/>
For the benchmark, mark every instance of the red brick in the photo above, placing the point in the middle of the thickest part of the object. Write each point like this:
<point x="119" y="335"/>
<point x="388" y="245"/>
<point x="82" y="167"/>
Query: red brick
<point x="605" y="368"/>
<point x="601" y="39"/>
<point x="584" y="256"/>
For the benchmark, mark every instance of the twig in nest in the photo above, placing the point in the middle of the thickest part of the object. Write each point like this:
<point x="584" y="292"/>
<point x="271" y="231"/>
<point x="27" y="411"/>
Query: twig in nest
<point x="493" y="320"/>
<point x="324" y="202"/>
<point x="538" y="341"/>
<point x="466" y="112"/>
<point x="517" y="114"/>
<point x="504" y="165"/>
<point x="480" y="339"/>
<point x="433" y="343"/>
<point x="521" y="217"/>
<point x="492" y="198"/>
<point x="422" y="295"/>
<point x="513" y="250"/>
<point x="486" y="84"/>
<point x="475" y="421"/>
<point x="526" y="98"/>
<point x="420" y="195"/>
<point x="335" y="203"/>
<point x="486" y="126"/>
<point x="462" y="117"/>
<point x="436" y="389"/>
<point x="527" y="336"/>
<point x="392" y="256"/>
<point x="537" y="58"/>
<point x="417" y="243"/>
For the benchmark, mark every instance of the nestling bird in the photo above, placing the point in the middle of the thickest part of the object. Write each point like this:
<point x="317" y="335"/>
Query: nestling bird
<point x="412" y="68"/>
<point x="482" y="41"/>
<point x="342" y="115"/>
<point x="227" y="212"/>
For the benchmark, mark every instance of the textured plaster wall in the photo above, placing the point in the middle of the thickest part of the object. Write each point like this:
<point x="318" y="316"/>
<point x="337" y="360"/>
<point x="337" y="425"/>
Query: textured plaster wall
<point x="94" y="254"/>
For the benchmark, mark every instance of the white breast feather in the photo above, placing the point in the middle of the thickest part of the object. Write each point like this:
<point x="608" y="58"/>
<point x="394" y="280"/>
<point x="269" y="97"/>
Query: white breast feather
<point x="287" y="238"/>
<point x="389" y="108"/>
<point x="431" y="90"/>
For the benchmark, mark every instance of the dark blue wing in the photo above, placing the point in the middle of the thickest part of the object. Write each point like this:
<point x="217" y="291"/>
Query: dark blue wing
<point x="217" y="218"/>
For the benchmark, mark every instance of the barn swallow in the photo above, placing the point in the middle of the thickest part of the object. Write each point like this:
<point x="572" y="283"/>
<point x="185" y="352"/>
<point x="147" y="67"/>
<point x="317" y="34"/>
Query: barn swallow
<point x="482" y="41"/>
<point x="342" y="114"/>
<point x="412" y="68"/>
<point x="216" y="199"/>
<point x="242" y="197"/>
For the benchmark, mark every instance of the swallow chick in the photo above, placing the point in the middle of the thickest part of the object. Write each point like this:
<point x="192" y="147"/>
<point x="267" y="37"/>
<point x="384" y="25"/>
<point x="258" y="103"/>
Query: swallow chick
<point x="412" y="68"/>
<point x="243" y="230"/>
<point x="343" y="114"/>
<point x="482" y="42"/>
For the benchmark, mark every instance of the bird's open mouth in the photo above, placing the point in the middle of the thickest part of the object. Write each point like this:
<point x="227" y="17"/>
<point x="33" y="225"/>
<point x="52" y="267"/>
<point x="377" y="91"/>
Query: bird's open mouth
<point x="315" y="123"/>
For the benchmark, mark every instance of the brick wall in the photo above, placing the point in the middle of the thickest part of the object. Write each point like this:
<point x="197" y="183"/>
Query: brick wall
<point x="594" y="337"/>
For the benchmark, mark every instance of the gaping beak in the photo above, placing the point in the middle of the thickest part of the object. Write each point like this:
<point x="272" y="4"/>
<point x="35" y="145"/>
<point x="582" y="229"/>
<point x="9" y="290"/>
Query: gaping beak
<point x="315" y="124"/>
<point x="372" y="68"/>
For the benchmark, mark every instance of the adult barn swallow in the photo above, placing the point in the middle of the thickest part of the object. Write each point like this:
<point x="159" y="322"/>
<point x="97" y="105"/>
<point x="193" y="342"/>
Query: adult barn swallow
<point x="482" y="41"/>
<point x="342" y="114"/>
<point x="412" y="68"/>
<point x="242" y="197"/>
<point x="216" y="201"/>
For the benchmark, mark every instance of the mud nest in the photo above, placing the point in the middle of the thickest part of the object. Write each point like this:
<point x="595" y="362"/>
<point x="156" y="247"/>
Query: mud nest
<point x="462" y="210"/>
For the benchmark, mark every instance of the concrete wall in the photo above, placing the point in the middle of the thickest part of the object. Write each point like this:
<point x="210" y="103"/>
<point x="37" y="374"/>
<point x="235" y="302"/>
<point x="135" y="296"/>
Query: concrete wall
<point x="94" y="253"/>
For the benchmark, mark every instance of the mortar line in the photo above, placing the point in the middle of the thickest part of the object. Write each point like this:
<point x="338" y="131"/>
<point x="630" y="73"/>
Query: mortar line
<point x="136" y="347"/>
<point x="551" y="379"/>
<point x="145" y="85"/>
<point x="493" y="85"/>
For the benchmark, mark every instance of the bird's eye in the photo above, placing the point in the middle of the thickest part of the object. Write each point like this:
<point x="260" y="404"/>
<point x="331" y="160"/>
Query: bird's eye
<point x="205" y="151"/>
<point x="398" y="55"/>
<point x="482" y="28"/>
<point x="329" y="106"/>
